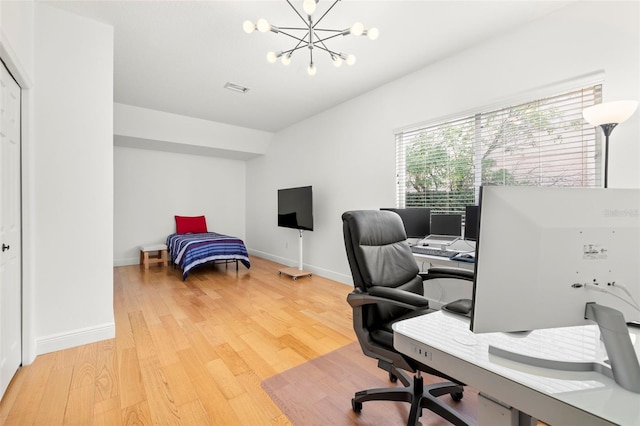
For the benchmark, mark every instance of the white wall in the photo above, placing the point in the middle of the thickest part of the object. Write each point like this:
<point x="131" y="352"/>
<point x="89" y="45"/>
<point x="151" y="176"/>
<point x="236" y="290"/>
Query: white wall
<point x="166" y="165"/>
<point x="16" y="33"/>
<point x="151" y="187"/>
<point x="136" y="127"/>
<point x="347" y="153"/>
<point x="72" y="180"/>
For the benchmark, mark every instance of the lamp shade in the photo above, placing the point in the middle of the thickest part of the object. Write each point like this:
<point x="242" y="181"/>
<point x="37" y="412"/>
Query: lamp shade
<point x="609" y="112"/>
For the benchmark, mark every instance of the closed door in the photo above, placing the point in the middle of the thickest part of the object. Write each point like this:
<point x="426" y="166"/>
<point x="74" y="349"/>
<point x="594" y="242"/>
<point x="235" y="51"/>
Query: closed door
<point x="10" y="230"/>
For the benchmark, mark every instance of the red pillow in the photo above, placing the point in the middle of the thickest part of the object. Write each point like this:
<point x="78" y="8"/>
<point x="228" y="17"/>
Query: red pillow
<point x="189" y="224"/>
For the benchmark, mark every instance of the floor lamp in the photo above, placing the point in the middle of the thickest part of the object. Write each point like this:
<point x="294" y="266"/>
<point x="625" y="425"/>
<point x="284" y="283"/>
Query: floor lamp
<point x="608" y="115"/>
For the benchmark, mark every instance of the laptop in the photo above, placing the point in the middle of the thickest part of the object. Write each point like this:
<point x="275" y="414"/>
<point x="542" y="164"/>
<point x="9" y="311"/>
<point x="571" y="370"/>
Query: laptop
<point x="438" y="240"/>
<point x="446" y="229"/>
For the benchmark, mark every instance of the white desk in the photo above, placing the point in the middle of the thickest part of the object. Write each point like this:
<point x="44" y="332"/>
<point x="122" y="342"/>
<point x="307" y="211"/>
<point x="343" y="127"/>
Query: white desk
<point x="424" y="261"/>
<point x="444" y="342"/>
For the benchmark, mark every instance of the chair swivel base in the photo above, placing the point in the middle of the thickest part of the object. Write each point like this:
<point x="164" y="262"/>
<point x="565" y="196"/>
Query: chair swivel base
<point x="419" y="396"/>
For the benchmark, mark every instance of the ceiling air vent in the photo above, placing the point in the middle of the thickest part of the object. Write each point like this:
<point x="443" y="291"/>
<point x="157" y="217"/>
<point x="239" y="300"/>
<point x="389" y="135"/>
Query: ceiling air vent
<point x="236" y="87"/>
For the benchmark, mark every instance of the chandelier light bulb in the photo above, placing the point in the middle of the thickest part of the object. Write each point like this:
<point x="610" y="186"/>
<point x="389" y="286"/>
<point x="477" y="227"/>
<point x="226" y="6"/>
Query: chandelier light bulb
<point x="350" y="60"/>
<point x="248" y="27"/>
<point x="263" y="25"/>
<point x="357" y="29"/>
<point x="337" y="61"/>
<point x="312" y="69"/>
<point x="286" y="59"/>
<point x="309" y="6"/>
<point x="373" y="33"/>
<point x="272" y="57"/>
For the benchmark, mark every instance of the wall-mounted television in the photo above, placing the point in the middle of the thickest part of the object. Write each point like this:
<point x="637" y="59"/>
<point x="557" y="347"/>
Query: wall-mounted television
<point x="295" y="208"/>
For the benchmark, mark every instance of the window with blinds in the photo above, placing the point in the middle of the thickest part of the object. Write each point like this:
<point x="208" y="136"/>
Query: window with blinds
<point x="545" y="142"/>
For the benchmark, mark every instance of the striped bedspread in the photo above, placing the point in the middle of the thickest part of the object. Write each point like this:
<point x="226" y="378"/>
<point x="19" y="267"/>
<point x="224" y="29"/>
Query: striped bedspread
<point x="190" y="250"/>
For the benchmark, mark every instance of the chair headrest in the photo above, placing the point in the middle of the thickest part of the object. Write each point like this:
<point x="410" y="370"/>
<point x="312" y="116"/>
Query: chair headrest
<point x="377" y="249"/>
<point x="374" y="227"/>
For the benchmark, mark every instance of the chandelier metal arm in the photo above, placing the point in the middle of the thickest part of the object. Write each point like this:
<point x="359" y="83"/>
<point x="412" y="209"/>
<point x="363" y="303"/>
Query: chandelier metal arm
<point x="295" y="28"/>
<point x="329" y="51"/>
<point x="296" y="11"/>
<point x="322" y="40"/>
<point x="301" y="40"/>
<point x="324" y="14"/>
<point x="340" y="32"/>
<point x="302" y="43"/>
<point x="319" y="43"/>
<point x="296" y="47"/>
<point x="304" y="39"/>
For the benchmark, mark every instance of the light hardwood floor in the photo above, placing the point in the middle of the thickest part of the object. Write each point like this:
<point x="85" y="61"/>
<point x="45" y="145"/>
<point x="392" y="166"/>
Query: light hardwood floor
<point x="190" y="352"/>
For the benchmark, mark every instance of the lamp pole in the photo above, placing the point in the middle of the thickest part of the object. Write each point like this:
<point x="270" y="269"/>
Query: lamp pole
<point x="607" y="129"/>
<point x="608" y="115"/>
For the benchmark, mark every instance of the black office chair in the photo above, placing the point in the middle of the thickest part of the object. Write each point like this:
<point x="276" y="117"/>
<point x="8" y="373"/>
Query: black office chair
<point x="389" y="288"/>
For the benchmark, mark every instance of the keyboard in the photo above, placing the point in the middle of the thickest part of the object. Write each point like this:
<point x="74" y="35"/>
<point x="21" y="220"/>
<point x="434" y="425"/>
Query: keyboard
<point x="431" y="251"/>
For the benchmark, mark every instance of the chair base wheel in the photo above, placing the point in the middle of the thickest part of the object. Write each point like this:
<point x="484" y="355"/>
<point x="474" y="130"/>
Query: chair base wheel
<point x="355" y="405"/>
<point x="393" y="378"/>
<point x="457" y="396"/>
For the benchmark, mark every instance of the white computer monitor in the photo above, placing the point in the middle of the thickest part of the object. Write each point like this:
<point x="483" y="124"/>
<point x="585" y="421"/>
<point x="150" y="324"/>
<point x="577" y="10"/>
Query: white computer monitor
<point x="560" y="257"/>
<point x="536" y="246"/>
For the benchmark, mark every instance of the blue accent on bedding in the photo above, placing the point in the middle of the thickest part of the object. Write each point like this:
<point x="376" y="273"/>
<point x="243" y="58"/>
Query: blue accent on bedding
<point x="190" y="250"/>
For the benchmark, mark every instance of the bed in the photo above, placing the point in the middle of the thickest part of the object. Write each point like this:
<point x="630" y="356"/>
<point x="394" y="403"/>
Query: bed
<point x="190" y="250"/>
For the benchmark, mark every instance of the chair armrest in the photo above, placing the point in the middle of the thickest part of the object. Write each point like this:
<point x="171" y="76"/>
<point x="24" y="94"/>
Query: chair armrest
<point x="444" y="272"/>
<point x="402" y="296"/>
<point x="397" y="297"/>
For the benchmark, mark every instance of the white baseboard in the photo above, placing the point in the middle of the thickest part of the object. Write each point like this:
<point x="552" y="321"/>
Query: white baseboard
<point x="326" y="273"/>
<point x="126" y="261"/>
<point x="83" y="336"/>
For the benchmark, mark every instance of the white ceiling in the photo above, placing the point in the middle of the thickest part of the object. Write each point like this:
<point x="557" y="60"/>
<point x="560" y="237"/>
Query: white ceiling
<point x="176" y="56"/>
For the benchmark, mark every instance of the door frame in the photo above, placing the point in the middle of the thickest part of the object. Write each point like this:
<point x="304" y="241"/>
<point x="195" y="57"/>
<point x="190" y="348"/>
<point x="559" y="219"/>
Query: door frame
<point x="20" y="74"/>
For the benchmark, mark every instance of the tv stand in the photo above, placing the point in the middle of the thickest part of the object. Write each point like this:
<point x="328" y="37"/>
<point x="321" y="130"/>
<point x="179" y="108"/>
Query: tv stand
<point x="295" y="273"/>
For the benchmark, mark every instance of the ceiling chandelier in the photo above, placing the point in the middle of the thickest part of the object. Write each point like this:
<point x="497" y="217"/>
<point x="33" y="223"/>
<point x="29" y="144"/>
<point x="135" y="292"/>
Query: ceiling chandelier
<point x="310" y="36"/>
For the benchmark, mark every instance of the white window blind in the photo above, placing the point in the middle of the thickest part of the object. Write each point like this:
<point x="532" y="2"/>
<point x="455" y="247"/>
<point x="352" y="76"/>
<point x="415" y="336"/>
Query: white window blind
<point x="545" y="142"/>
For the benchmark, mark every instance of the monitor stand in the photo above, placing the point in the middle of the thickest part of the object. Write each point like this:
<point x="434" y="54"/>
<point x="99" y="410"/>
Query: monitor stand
<point x="625" y="369"/>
